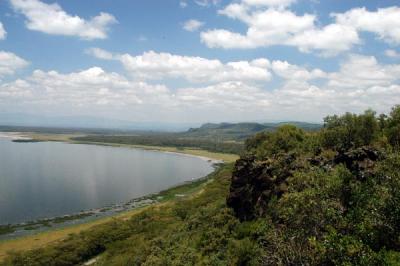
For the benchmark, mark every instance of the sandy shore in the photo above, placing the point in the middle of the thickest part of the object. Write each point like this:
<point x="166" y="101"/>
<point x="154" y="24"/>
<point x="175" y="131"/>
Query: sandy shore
<point x="13" y="135"/>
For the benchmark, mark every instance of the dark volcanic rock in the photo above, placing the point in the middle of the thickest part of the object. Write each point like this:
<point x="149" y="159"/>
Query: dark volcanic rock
<point x="254" y="183"/>
<point x="360" y="161"/>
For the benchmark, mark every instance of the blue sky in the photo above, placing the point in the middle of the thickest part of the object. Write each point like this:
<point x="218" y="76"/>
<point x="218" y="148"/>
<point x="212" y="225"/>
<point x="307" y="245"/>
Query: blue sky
<point x="198" y="61"/>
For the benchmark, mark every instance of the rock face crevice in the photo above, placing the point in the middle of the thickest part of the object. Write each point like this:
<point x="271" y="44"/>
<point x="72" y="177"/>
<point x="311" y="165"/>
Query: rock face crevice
<point x="255" y="182"/>
<point x="360" y="162"/>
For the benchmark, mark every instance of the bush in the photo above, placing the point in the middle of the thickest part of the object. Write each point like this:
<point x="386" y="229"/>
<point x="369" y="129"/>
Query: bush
<point x="350" y="130"/>
<point x="393" y="127"/>
<point x="286" y="138"/>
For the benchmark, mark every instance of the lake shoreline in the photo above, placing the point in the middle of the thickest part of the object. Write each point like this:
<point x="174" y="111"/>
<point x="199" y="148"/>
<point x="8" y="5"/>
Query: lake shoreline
<point x="47" y="225"/>
<point x="166" y="197"/>
<point x="31" y="137"/>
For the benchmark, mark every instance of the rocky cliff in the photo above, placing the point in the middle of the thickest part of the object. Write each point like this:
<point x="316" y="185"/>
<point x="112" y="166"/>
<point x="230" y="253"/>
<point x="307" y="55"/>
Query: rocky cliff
<point x="255" y="182"/>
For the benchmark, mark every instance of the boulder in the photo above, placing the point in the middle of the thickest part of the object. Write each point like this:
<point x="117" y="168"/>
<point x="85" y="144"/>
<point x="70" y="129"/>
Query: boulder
<point x="255" y="182"/>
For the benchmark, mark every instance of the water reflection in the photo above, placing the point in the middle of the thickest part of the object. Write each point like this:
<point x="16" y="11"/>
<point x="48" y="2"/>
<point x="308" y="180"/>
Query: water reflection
<point x="49" y="179"/>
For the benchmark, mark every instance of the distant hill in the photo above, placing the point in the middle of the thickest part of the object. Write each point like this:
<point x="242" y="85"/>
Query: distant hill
<point x="227" y="133"/>
<point x="87" y="122"/>
<point x="239" y="131"/>
<point x="222" y="137"/>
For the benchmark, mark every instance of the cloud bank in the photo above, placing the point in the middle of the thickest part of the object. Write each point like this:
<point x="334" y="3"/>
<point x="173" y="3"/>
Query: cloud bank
<point x="360" y="83"/>
<point x="272" y="23"/>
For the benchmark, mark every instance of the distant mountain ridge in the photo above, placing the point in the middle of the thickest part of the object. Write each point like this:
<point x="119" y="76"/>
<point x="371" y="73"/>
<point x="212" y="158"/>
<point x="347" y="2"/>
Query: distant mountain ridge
<point x="224" y="131"/>
<point x="240" y="131"/>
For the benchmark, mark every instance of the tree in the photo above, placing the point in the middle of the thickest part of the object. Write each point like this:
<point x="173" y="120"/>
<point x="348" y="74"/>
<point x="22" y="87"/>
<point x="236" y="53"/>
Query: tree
<point x="350" y="130"/>
<point x="393" y="127"/>
<point x="368" y="126"/>
<point x="286" y="138"/>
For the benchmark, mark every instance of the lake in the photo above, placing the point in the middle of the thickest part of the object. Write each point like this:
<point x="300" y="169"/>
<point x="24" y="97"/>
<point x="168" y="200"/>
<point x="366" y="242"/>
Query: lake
<point x="47" y="179"/>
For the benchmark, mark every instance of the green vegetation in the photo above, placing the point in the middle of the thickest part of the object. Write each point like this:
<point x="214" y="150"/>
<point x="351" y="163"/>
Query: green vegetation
<point x="223" y="137"/>
<point x="391" y="127"/>
<point x="165" y="140"/>
<point x="196" y="229"/>
<point x="69" y="138"/>
<point x="37" y="224"/>
<point x="188" y="189"/>
<point x="350" y="130"/>
<point x="6" y="229"/>
<point x="328" y="197"/>
<point x="25" y="140"/>
<point x="66" y="218"/>
<point x="239" y="131"/>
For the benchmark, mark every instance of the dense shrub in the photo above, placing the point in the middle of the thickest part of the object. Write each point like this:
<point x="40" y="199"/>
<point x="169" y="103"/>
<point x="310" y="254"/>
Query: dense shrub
<point x="350" y="130"/>
<point x="393" y="127"/>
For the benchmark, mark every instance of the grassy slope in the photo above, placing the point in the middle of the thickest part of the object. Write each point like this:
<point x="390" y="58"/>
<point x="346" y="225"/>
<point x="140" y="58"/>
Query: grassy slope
<point x="52" y="236"/>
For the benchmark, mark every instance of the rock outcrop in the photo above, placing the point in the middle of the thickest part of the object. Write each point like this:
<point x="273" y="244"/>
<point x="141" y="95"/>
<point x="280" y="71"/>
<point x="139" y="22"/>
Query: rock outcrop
<point x="360" y="161"/>
<point x="255" y="182"/>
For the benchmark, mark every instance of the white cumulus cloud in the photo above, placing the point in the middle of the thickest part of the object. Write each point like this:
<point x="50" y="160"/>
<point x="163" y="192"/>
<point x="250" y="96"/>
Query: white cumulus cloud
<point x="293" y="72"/>
<point x="361" y="82"/>
<point x="3" y="32"/>
<point x="207" y="3"/>
<point x="99" y="53"/>
<point x="10" y="63"/>
<point x="95" y="90"/>
<point x="392" y="53"/>
<point x="193" y="25"/>
<point x="385" y="22"/>
<point x="153" y="65"/>
<point x="183" y="4"/>
<point x="87" y="89"/>
<point x="326" y="40"/>
<point x="273" y="3"/>
<point x="271" y="23"/>
<point x="52" y="19"/>
<point x="269" y="26"/>
<point x="360" y="71"/>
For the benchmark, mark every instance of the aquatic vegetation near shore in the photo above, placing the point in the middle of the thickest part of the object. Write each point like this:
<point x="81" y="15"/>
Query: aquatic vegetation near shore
<point x="26" y="140"/>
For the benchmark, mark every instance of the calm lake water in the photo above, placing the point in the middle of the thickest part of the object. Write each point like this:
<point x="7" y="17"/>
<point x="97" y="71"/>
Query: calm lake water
<point x="47" y="179"/>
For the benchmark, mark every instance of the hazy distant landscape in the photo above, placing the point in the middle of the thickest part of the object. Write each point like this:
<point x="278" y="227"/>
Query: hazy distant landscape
<point x="223" y="137"/>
